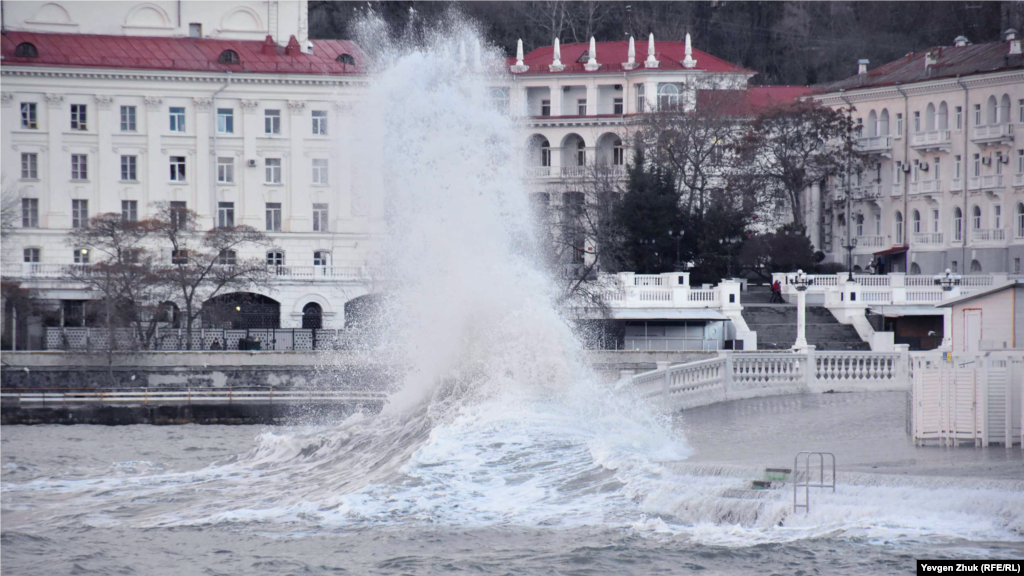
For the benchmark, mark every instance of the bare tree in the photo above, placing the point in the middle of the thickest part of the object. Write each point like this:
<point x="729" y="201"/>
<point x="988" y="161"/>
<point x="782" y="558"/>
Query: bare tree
<point x="205" y="264"/>
<point x="10" y="211"/>
<point x="790" y="147"/>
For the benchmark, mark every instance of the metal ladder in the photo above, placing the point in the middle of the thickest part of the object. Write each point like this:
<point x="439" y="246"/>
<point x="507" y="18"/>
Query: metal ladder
<point x="806" y="483"/>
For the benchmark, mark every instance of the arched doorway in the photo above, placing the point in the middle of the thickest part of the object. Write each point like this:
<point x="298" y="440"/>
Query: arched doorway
<point x="312" y="316"/>
<point x="242" y="311"/>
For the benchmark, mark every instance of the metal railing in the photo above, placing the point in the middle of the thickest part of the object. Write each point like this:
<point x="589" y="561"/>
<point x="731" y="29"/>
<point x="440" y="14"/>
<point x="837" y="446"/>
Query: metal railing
<point x="806" y="484"/>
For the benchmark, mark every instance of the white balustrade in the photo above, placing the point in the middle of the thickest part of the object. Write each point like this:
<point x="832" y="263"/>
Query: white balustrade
<point x="992" y="132"/>
<point x="872" y="279"/>
<point x="538" y="172"/>
<point x="956" y="185"/>
<point x="989" y="235"/>
<point x="874" y="144"/>
<point x="648" y="280"/>
<point x="574" y="171"/>
<point x="925" y="187"/>
<point x="926" y="238"/>
<point x="931" y="138"/>
<point x="697" y="295"/>
<point x="1018" y="180"/>
<point x="866" y="191"/>
<point x="872" y="241"/>
<point x="989" y="182"/>
<point x="737" y="375"/>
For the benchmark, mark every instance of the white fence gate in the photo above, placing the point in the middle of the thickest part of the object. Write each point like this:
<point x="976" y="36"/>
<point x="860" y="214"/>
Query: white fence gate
<point x="975" y="398"/>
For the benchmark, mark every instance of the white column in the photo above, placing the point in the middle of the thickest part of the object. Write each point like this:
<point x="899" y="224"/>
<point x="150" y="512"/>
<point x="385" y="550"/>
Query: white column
<point x="591" y="98"/>
<point x="801" y="319"/>
<point x="250" y="180"/>
<point x="814" y="215"/>
<point x="299" y="217"/>
<point x="556" y="99"/>
<point x="57" y="204"/>
<point x="157" y="167"/>
<point x="108" y="162"/>
<point x="205" y="164"/>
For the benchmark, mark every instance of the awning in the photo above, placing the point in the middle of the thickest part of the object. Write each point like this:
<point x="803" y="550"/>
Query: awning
<point x="897" y="311"/>
<point x="667" y="314"/>
<point x="893" y="250"/>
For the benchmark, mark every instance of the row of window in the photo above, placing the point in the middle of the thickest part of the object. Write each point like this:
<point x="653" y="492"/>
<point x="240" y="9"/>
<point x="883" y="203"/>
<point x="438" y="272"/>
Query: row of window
<point x="130" y="211"/>
<point x="226" y="258"/>
<point x="916" y="222"/>
<point x="225" y="119"/>
<point x="918" y="168"/>
<point x="129" y="168"/>
<point x="994" y="112"/>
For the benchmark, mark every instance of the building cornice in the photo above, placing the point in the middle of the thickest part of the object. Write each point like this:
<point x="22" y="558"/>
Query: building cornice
<point x="921" y="88"/>
<point x="173" y="76"/>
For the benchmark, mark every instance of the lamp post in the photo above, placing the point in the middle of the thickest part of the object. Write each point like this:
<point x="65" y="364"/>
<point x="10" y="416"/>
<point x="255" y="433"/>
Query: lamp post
<point x="730" y="243"/>
<point x="678" y="237"/>
<point x="849" y="257"/>
<point x="802" y="282"/>
<point x="949" y="282"/>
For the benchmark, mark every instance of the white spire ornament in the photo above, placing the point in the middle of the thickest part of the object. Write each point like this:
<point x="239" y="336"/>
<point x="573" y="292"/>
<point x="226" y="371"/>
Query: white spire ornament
<point x="651" y="61"/>
<point x="688" y="61"/>
<point x="631" y="64"/>
<point x="519" y="67"/>
<point x="556" y="61"/>
<point x="592" y="64"/>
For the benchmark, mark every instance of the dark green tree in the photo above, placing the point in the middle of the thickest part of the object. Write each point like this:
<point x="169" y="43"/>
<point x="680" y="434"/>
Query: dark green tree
<point x="648" y="211"/>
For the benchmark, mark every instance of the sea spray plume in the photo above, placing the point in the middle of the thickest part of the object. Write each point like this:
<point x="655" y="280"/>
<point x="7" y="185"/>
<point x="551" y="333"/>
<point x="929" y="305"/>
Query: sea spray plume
<point x="456" y="216"/>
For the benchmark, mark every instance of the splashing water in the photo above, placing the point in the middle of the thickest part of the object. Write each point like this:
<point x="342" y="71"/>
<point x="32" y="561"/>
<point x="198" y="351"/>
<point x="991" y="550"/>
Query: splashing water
<point x="498" y="421"/>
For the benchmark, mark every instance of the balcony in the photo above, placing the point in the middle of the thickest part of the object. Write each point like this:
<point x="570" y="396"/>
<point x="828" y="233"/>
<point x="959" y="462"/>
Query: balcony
<point x="925" y="187"/>
<point x="992" y="135"/>
<point x="926" y="238"/>
<point x="1018" y="180"/>
<point x="956" y="185"/>
<point x="539" y="172"/>
<point x="990" y="182"/>
<point x="931" y="140"/>
<point x="866" y="192"/>
<point x="989" y="236"/>
<point x="872" y="243"/>
<point x="881" y="145"/>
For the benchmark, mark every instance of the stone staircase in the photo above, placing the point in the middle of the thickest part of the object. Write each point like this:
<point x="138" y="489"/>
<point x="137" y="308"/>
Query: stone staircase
<point x="775" y="325"/>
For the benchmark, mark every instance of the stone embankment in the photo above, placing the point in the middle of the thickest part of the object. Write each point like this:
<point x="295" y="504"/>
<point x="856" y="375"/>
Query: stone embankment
<point x="64" y="387"/>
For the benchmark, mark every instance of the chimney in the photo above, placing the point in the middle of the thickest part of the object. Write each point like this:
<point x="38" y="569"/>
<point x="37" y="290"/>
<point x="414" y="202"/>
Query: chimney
<point x="930" y="59"/>
<point x="293" y="47"/>
<point x="961" y="41"/>
<point x="1010" y="34"/>
<point x="269" y="48"/>
<point x="862" y="66"/>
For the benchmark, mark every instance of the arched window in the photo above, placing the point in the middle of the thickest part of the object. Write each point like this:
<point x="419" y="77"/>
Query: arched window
<point x="1020" y="220"/>
<point x="545" y="153"/>
<point x="668" y="96"/>
<point x="942" y="120"/>
<point x="915" y="218"/>
<point x="346" y="59"/>
<point x="899" y="227"/>
<point x="1004" y="109"/>
<point x="168" y="313"/>
<point x="275" y="258"/>
<point x="992" y="110"/>
<point x="26" y="50"/>
<point x="958" y="225"/>
<point x="914" y="268"/>
<point x="860" y="224"/>
<point x="618" y="153"/>
<point x="581" y="152"/>
<point x="872" y="124"/>
<point x="976" y="218"/>
<point x="929" y="117"/>
<point x="228" y="57"/>
<point x="312" y="316"/>
<point x="883" y="123"/>
<point x="975" y="267"/>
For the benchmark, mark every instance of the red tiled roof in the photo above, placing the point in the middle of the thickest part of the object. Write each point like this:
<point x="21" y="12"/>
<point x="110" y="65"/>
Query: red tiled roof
<point x="182" y="54"/>
<point x="611" y="55"/>
<point x="752" y="100"/>
<point x="951" y="61"/>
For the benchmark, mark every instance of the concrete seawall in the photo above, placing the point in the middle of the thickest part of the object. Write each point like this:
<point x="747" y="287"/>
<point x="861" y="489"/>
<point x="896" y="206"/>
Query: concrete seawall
<point x="59" y="373"/>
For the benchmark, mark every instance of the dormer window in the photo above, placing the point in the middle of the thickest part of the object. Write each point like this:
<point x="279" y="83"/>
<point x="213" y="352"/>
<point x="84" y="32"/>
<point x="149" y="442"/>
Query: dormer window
<point x="584" y="58"/>
<point x="26" y="50"/>
<point x="228" y="57"/>
<point x="346" y="59"/>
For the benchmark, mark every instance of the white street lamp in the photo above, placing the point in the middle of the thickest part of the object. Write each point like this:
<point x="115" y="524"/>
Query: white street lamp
<point x="801" y="283"/>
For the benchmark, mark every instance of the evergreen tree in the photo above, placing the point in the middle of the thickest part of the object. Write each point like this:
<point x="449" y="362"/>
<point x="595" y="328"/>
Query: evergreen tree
<point x="648" y="211"/>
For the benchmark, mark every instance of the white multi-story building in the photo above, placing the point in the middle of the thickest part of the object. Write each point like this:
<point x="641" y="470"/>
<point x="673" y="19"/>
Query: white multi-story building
<point x="578" y="99"/>
<point x="228" y="109"/>
<point x="945" y="188"/>
<point x="223" y="107"/>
